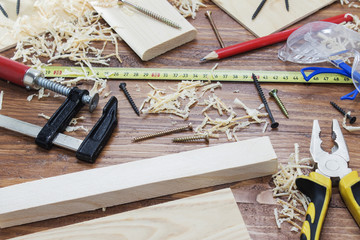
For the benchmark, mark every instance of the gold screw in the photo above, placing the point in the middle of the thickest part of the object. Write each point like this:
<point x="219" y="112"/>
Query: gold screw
<point x="273" y="93"/>
<point x="162" y="133"/>
<point x="192" y="138"/>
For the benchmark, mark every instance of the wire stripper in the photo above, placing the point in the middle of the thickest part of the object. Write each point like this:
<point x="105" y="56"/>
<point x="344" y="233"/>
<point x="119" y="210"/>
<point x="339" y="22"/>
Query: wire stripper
<point x="331" y="167"/>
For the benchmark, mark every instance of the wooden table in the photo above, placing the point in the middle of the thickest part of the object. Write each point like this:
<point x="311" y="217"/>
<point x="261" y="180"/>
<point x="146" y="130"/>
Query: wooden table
<point x="21" y="160"/>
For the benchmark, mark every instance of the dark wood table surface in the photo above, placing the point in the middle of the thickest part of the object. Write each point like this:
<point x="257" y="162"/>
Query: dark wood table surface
<point x="21" y="160"/>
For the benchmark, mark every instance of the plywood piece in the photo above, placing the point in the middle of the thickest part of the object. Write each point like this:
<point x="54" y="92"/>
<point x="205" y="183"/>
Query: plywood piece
<point x="103" y="187"/>
<point x="273" y="16"/>
<point x="210" y="216"/>
<point x="147" y="36"/>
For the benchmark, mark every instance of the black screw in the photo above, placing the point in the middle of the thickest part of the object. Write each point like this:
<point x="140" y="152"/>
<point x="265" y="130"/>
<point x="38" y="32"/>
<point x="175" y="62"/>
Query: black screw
<point x="122" y="86"/>
<point x="352" y="119"/>
<point x="262" y="96"/>
<point x="258" y="9"/>
<point x="3" y="11"/>
<point x="17" y="7"/>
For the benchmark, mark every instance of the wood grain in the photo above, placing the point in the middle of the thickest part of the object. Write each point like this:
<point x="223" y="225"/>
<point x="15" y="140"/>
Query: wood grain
<point x="22" y="161"/>
<point x="209" y="216"/>
<point x="123" y="183"/>
<point x="273" y="16"/>
<point x="148" y="37"/>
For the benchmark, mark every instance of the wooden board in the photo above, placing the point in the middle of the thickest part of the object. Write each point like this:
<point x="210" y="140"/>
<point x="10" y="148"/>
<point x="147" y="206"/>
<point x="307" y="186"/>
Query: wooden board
<point x="103" y="187"/>
<point x="210" y="216"/>
<point x="273" y="16"/>
<point x="146" y="36"/>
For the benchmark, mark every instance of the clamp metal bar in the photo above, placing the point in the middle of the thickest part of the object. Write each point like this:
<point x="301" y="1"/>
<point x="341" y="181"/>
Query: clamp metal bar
<point x="32" y="130"/>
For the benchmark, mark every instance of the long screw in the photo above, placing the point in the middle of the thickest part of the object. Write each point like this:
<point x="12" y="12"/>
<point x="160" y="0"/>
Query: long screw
<point x="193" y="138"/>
<point x="122" y="86"/>
<point x="151" y="14"/>
<point x="274" y="124"/>
<point x="163" y="133"/>
<point x="3" y="11"/>
<point x="352" y="119"/>
<point x="273" y="93"/>
<point x="17" y="7"/>
<point x="258" y="9"/>
<point x="212" y="23"/>
<point x="287" y="5"/>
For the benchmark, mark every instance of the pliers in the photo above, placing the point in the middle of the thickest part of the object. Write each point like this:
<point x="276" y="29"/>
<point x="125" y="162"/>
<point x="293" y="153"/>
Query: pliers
<point x="318" y="185"/>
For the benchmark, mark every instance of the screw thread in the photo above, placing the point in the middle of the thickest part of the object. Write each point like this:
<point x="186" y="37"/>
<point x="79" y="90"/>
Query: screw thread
<point x="152" y="14"/>
<point x="192" y="138"/>
<point x="274" y="124"/>
<point x="348" y="116"/>
<point x="162" y="133"/>
<point x="122" y="86"/>
<point x="17" y="7"/>
<point x="53" y="86"/>
<point x="338" y="108"/>
<point x="273" y="93"/>
<point x="3" y="11"/>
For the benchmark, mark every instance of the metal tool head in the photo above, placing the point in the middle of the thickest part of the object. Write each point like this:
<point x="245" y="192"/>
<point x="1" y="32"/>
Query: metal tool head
<point x="334" y="164"/>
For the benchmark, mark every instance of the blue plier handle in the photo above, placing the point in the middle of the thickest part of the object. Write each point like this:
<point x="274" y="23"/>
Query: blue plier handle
<point x="345" y="70"/>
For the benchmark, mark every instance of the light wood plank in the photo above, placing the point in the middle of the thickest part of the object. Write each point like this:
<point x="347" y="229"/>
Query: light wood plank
<point x="146" y="36"/>
<point x="210" y="216"/>
<point x="273" y="16"/>
<point x="103" y="187"/>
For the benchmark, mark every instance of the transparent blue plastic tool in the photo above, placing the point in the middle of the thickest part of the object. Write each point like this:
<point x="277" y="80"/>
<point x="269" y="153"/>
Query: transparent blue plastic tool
<point x="345" y="70"/>
<point x="323" y="42"/>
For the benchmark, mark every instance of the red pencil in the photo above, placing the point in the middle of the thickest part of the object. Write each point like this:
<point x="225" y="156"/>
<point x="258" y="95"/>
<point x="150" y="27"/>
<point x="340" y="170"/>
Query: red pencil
<point x="264" y="41"/>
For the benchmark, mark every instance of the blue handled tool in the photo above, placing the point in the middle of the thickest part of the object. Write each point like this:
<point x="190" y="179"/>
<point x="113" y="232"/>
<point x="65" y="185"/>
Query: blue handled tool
<point x="345" y="70"/>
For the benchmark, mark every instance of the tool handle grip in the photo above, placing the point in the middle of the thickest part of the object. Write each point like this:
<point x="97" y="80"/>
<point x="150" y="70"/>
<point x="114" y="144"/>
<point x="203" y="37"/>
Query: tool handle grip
<point x="318" y="188"/>
<point x="96" y="140"/>
<point x="350" y="193"/>
<point x="12" y="71"/>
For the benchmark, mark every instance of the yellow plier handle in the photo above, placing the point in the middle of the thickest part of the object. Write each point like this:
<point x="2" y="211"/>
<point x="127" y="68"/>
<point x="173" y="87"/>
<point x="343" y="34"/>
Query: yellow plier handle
<point x="318" y="188"/>
<point x="350" y="193"/>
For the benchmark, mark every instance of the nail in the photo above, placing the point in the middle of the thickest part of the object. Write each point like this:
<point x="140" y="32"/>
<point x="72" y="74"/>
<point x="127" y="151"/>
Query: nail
<point x="212" y="23"/>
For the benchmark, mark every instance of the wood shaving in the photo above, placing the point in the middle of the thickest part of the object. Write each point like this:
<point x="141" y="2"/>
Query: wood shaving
<point x="160" y="102"/>
<point x="285" y="187"/>
<point x="1" y="98"/>
<point x="73" y="122"/>
<point x="349" y="128"/>
<point x="188" y="8"/>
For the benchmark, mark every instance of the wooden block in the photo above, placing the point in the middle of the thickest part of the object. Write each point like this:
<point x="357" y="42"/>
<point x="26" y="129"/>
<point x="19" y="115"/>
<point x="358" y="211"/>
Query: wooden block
<point x="103" y="187"/>
<point x="146" y="36"/>
<point x="273" y="16"/>
<point x="210" y="216"/>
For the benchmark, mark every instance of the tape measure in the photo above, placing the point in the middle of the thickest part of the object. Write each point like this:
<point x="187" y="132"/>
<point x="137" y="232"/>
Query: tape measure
<point x="190" y="74"/>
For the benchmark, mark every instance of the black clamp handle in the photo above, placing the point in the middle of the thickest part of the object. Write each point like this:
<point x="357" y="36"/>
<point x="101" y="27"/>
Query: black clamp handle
<point x="100" y="133"/>
<point x="61" y="118"/>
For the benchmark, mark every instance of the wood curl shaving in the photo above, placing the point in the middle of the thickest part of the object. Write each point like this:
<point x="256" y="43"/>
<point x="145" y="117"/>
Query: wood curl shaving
<point x="189" y="93"/>
<point x="188" y="8"/>
<point x="286" y="192"/>
<point x="71" y="29"/>
<point x="1" y="98"/>
<point x="349" y="128"/>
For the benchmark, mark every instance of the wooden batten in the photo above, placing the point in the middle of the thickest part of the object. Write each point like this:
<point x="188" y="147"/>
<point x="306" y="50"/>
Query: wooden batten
<point x="148" y="37"/>
<point x="209" y="216"/>
<point x="103" y="187"/>
<point x="273" y="16"/>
